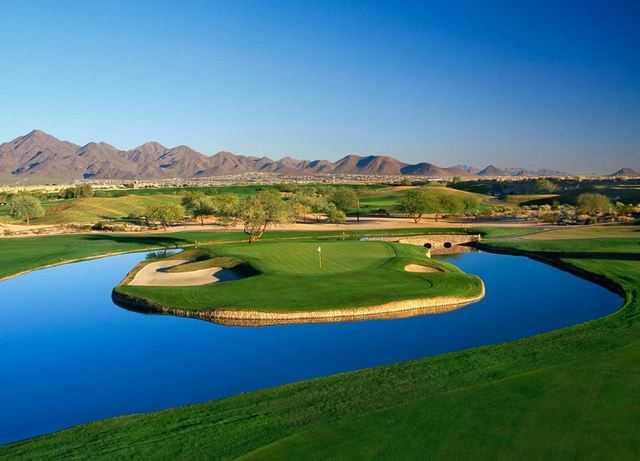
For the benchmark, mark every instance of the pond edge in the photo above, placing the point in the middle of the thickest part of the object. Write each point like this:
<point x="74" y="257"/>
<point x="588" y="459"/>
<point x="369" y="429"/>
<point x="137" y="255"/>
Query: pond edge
<point x="244" y="317"/>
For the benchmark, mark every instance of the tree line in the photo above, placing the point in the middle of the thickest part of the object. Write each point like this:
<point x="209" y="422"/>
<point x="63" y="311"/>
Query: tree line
<point x="256" y="213"/>
<point x="426" y="200"/>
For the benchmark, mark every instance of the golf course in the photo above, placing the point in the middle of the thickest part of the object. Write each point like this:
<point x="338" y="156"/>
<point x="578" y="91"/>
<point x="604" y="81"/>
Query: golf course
<point x="305" y="280"/>
<point x="525" y="397"/>
<point x="324" y="231"/>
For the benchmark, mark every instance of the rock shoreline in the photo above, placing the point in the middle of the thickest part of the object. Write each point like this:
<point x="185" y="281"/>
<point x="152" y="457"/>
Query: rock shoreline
<point x="244" y="317"/>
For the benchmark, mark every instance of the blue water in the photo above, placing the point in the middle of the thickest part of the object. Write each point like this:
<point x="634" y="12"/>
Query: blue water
<point x="68" y="355"/>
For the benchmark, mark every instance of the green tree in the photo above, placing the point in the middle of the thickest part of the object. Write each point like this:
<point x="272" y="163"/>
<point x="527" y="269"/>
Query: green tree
<point x="189" y="198"/>
<point x="25" y="207"/>
<point x="78" y="191"/>
<point x="302" y="202"/>
<point x="451" y="203"/>
<point x="226" y="206"/>
<point x="471" y="204"/>
<point x="310" y="200"/>
<point x="346" y="198"/>
<point x="415" y="203"/>
<point x="199" y="205"/>
<point x="165" y="214"/>
<point x="545" y="186"/>
<point x="84" y="191"/>
<point x="593" y="204"/>
<point x="262" y="210"/>
<point x="68" y="193"/>
<point x="335" y="215"/>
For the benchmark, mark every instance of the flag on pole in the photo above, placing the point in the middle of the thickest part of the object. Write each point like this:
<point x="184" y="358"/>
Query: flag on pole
<point x="320" y="256"/>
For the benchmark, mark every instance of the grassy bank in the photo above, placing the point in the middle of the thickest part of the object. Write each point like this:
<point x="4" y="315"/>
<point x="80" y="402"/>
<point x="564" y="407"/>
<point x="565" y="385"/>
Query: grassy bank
<point x="291" y="278"/>
<point x="21" y="254"/>
<point x="570" y="394"/>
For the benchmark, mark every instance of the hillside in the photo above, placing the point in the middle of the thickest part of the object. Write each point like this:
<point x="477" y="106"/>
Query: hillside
<point x="625" y="172"/>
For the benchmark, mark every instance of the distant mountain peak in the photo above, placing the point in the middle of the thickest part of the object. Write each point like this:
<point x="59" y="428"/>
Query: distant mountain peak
<point x="625" y="172"/>
<point x="152" y="145"/>
<point x="491" y="170"/>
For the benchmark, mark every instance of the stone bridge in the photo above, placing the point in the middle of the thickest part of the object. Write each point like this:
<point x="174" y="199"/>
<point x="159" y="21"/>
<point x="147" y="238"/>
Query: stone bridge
<point x="436" y="242"/>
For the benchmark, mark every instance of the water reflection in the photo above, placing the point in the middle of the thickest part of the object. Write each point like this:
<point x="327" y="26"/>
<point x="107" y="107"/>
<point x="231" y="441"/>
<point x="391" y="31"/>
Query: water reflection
<point x="69" y="355"/>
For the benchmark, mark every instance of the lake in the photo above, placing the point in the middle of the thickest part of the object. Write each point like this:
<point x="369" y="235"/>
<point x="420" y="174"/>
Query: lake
<point x="68" y="355"/>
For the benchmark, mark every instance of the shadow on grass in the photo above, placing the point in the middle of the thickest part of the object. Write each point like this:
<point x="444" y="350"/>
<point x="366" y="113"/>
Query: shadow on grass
<point x="588" y="255"/>
<point x="559" y="255"/>
<point x="142" y="240"/>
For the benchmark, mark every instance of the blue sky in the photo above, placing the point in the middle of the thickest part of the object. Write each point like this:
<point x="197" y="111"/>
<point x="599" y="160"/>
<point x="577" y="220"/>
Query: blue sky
<point x="533" y="84"/>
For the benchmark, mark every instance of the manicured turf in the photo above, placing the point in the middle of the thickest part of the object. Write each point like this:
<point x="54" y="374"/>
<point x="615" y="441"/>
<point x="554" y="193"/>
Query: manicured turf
<point x="568" y="394"/>
<point x="606" y="231"/>
<point x="290" y="278"/>
<point x="20" y="254"/>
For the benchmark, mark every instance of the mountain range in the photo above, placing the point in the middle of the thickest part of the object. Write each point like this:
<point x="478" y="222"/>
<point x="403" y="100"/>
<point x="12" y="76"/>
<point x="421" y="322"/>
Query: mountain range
<point x="625" y="172"/>
<point x="38" y="157"/>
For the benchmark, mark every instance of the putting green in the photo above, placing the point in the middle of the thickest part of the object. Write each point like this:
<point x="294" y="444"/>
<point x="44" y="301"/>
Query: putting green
<point x="296" y="277"/>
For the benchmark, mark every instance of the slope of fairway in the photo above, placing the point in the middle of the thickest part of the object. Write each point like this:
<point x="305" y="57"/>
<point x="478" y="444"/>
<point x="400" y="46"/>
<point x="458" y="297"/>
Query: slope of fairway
<point x="94" y="209"/>
<point x="293" y="278"/>
<point x="519" y="417"/>
<point x="568" y="394"/>
<point x="388" y="198"/>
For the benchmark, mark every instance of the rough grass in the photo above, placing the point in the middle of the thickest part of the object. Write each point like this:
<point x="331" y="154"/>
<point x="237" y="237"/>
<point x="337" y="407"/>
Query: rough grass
<point x="94" y="209"/>
<point x="388" y="198"/>
<point x="525" y="199"/>
<point x="569" y="394"/>
<point x="290" y="278"/>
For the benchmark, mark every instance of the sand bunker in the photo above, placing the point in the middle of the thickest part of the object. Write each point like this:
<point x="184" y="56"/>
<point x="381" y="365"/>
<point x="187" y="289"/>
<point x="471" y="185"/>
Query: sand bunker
<point x="420" y="268"/>
<point x="154" y="274"/>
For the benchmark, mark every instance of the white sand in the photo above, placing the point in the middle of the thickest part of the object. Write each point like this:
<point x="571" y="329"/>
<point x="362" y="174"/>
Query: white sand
<point x="420" y="268"/>
<point x="153" y="275"/>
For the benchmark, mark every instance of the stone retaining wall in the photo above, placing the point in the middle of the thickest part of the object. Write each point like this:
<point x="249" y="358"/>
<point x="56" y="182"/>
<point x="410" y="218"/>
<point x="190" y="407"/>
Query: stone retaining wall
<point x="437" y="241"/>
<point x="392" y="309"/>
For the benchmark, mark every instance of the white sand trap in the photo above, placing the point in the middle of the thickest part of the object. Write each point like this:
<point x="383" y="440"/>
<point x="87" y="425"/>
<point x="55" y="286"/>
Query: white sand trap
<point x="153" y="275"/>
<point x="420" y="268"/>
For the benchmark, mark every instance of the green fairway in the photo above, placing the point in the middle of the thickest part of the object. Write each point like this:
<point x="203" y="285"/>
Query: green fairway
<point x="20" y="254"/>
<point x="569" y="394"/>
<point x="292" y="278"/>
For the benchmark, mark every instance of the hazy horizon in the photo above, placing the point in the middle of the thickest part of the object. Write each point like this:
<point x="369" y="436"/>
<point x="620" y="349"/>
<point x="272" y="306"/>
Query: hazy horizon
<point x="515" y="86"/>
